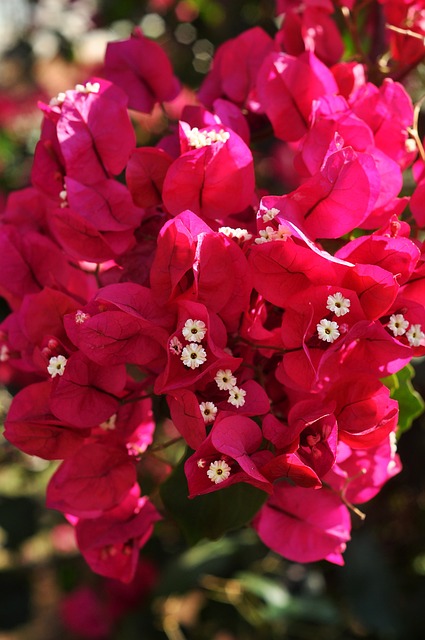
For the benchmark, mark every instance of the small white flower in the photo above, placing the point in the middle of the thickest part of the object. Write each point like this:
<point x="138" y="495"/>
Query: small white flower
<point x="175" y="346"/>
<point x="110" y="424"/>
<point x="327" y="330"/>
<point x="218" y="471"/>
<point x="225" y="379"/>
<point x="237" y="397"/>
<point x="410" y="145"/>
<point x="193" y="355"/>
<point x="415" y="336"/>
<point x="81" y="317"/>
<point x="56" y="366"/>
<point x="338" y="304"/>
<point x="194" y="330"/>
<point x="63" y="195"/>
<point x="209" y="411"/>
<point x="270" y="214"/>
<point x="398" y="324"/>
<point x="201" y="463"/>
<point x="266" y="235"/>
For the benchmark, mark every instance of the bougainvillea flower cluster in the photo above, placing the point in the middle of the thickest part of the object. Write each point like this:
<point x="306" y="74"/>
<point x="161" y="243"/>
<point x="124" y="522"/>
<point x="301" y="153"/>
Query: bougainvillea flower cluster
<point x="266" y="317"/>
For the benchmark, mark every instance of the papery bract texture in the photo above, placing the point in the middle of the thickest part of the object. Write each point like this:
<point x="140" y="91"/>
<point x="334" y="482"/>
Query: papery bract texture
<point x="142" y="69"/>
<point x="304" y="525"/>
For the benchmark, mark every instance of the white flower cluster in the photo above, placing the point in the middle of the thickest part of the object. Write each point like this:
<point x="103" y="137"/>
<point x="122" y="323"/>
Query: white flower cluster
<point x="89" y="87"/>
<point x="80" y="317"/>
<point x="328" y="330"/>
<point x="241" y="235"/>
<point x="198" y="139"/>
<point x="226" y="381"/>
<point x="193" y="354"/>
<point x="282" y="233"/>
<point x="399" y="326"/>
<point x="58" y="100"/>
<point x="270" y="214"/>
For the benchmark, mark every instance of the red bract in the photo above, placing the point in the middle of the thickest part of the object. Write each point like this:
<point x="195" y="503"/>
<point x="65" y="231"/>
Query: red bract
<point x="232" y="441"/>
<point x="408" y="17"/>
<point x="282" y="269"/>
<point x="360" y="473"/>
<point x="187" y="417"/>
<point x="31" y="261"/>
<point x="349" y="76"/>
<point x="90" y="148"/>
<point x="95" y="222"/>
<point x="110" y="544"/>
<point x="83" y="612"/>
<point x="145" y="175"/>
<point x="94" y="479"/>
<point x="235" y="69"/>
<point x="316" y="432"/>
<point x="214" y="176"/>
<point x="398" y="255"/>
<point x="331" y="115"/>
<point x="368" y="348"/>
<point x="417" y="204"/>
<point x="141" y="68"/>
<point x="389" y="112"/>
<point x="87" y="394"/>
<point x="319" y="207"/>
<point x="310" y="28"/>
<point x="192" y="262"/>
<point x="121" y="324"/>
<point x="17" y="206"/>
<point x="287" y="87"/>
<point x="364" y="410"/>
<point x="290" y="466"/>
<point x="48" y="168"/>
<point x="304" y="525"/>
<point x="31" y="426"/>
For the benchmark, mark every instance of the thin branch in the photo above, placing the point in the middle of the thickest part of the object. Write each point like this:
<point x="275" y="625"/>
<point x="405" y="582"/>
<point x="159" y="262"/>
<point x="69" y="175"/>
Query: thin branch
<point x="352" y="29"/>
<point x="164" y="445"/>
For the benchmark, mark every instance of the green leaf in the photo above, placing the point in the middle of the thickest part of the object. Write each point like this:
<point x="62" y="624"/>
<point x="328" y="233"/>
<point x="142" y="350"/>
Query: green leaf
<point x="276" y="602"/>
<point x="185" y="571"/>
<point x="211" y="515"/>
<point x="410" y="402"/>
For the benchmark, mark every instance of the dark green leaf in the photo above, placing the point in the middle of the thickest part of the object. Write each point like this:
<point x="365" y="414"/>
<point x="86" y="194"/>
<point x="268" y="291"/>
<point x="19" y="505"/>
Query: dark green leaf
<point x="410" y="402"/>
<point x="211" y="515"/>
